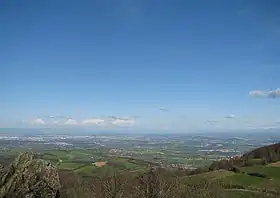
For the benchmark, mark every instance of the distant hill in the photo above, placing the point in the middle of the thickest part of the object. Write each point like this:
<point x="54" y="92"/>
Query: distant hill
<point x="270" y="153"/>
<point x="259" y="156"/>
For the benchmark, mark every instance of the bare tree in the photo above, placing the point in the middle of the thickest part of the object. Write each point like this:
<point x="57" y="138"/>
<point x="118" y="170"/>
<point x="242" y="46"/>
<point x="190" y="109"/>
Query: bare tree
<point x="113" y="187"/>
<point x="154" y="185"/>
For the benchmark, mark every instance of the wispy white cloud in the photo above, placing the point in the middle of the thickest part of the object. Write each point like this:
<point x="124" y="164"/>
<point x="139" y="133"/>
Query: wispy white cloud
<point x="175" y="123"/>
<point x="270" y="127"/>
<point x="257" y="93"/>
<point x="71" y="122"/>
<point x="274" y="93"/>
<point x="55" y="119"/>
<point x="163" y="109"/>
<point x="107" y="122"/>
<point x="119" y="118"/>
<point x="230" y="116"/>
<point x="211" y="121"/>
<point x="93" y="121"/>
<point x="121" y="121"/>
<point x="269" y="94"/>
<point x="37" y="121"/>
<point x="110" y="121"/>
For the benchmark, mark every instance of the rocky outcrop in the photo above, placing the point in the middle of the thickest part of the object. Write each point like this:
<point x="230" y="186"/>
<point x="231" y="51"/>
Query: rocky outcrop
<point x="29" y="177"/>
<point x="1" y="170"/>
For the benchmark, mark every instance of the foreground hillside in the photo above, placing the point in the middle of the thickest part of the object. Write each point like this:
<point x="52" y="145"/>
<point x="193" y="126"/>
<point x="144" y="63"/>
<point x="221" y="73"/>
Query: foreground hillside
<point x="255" y="174"/>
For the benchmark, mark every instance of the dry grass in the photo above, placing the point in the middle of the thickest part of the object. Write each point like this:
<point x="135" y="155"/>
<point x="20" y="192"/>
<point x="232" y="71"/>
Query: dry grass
<point x="275" y="164"/>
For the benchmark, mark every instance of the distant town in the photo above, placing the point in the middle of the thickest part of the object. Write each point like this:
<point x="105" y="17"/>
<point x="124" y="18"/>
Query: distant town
<point x="184" y="151"/>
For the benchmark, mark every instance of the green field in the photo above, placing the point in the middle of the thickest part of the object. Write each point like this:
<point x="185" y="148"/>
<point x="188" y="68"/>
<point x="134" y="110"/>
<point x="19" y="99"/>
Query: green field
<point x="211" y="175"/>
<point x="253" y="184"/>
<point x="216" y="174"/>
<point x="81" y="161"/>
<point x="243" y="180"/>
<point x="69" y="165"/>
<point x="86" y="170"/>
<point x="270" y="171"/>
<point x="241" y="185"/>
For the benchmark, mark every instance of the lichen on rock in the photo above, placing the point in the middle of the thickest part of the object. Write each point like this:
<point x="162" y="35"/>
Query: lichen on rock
<point x="30" y="177"/>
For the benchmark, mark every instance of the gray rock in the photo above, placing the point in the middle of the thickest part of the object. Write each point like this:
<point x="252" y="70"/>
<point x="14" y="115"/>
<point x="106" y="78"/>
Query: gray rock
<point x="28" y="177"/>
<point x="1" y="170"/>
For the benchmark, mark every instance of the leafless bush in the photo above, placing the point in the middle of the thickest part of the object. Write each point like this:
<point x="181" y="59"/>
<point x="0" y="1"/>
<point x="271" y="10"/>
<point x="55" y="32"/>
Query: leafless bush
<point x="113" y="187"/>
<point x="199" y="187"/>
<point x="74" y="186"/>
<point x="154" y="184"/>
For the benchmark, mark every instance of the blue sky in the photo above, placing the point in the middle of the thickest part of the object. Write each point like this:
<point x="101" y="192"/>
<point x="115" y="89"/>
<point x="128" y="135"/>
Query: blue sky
<point x="166" y="65"/>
